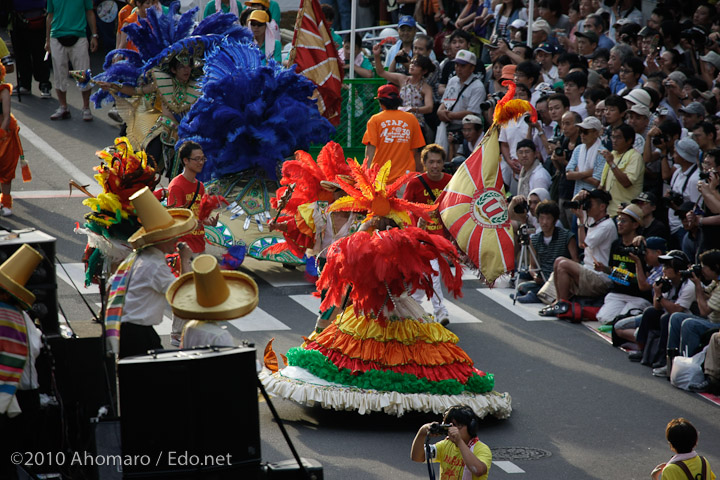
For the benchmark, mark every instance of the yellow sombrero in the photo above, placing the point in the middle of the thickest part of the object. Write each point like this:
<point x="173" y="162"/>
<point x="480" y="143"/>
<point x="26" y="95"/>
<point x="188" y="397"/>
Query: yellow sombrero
<point x="160" y="224"/>
<point x="208" y="293"/>
<point x="16" y="271"/>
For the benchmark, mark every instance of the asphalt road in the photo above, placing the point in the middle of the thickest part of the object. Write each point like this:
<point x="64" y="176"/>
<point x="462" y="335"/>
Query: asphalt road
<point x="580" y="409"/>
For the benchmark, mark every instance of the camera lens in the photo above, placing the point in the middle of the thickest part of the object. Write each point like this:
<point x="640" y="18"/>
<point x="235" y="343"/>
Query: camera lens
<point x="559" y="151"/>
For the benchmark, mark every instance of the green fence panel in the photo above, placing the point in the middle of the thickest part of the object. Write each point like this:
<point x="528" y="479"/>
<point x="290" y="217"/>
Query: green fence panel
<point x="358" y="105"/>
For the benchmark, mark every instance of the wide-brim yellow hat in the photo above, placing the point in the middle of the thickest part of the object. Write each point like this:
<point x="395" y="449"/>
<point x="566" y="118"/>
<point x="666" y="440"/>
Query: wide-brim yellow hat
<point x="16" y="271"/>
<point x="159" y="224"/>
<point x="264" y="3"/>
<point x="208" y="293"/>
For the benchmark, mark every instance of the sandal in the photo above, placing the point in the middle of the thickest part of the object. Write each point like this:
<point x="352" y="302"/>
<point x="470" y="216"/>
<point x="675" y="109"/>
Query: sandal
<point x="554" y="310"/>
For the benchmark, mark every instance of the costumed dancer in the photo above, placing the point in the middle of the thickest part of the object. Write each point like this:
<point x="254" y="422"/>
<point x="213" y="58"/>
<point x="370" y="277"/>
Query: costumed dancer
<point x="208" y="296"/>
<point x="307" y="225"/>
<point x="20" y="343"/>
<point x="381" y="353"/>
<point x="137" y="291"/>
<point x="10" y="148"/>
<point x="161" y="77"/>
<point x="112" y="220"/>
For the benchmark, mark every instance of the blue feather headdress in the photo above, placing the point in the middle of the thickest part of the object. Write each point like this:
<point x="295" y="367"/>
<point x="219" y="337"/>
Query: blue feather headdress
<point x="250" y="114"/>
<point x="160" y="37"/>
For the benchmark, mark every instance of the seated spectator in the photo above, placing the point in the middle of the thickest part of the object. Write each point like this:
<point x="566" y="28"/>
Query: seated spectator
<point x="463" y="96"/>
<point x="596" y="23"/>
<point x="671" y="294"/>
<point x="363" y="65"/>
<point x="541" y="33"/>
<point x="544" y="56"/>
<point x="587" y="42"/>
<point x="528" y="74"/>
<point x="493" y="77"/>
<point x="625" y="269"/>
<point x="558" y="104"/>
<point x="707" y="216"/>
<point x="623" y="173"/>
<point x="711" y="368"/>
<point x="459" y="40"/>
<point x="630" y="72"/>
<point x="575" y="85"/>
<point x="687" y="329"/>
<point x="551" y="12"/>
<point x="586" y="164"/>
<point x="615" y="108"/>
<point x="618" y="54"/>
<point x="654" y="247"/>
<point x="566" y="62"/>
<point x="656" y="152"/>
<point x="549" y="243"/>
<point x="690" y="231"/>
<point x="638" y="117"/>
<point x="691" y="114"/>
<point x="596" y="232"/>
<point x="532" y="174"/>
<point x="472" y="132"/>
<point x="407" y="28"/>
<point x="686" y="174"/>
<point x="650" y="226"/>
<point x="592" y="97"/>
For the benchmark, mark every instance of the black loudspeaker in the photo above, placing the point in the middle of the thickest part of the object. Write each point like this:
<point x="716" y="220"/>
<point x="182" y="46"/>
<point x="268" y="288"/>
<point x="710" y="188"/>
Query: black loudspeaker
<point x="290" y="470"/>
<point x="178" y="409"/>
<point x="43" y="282"/>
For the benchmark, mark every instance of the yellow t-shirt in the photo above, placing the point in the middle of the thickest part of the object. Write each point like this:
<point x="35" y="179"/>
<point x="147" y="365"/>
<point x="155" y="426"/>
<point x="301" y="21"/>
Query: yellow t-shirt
<point x="673" y="472"/>
<point x="451" y="462"/>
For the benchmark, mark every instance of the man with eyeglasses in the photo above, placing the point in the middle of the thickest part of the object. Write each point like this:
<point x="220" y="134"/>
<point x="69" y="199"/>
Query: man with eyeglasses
<point x="186" y="191"/>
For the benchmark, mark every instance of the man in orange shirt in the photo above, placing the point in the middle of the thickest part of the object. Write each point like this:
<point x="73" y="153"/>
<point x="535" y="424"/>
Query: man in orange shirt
<point x="393" y="135"/>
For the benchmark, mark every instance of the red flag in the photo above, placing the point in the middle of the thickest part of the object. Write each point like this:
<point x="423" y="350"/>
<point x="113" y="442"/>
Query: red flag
<point x="317" y="58"/>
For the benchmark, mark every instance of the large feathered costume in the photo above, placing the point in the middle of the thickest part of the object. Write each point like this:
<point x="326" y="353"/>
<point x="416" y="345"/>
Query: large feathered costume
<point x="251" y="114"/>
<point x="383" y="353"/>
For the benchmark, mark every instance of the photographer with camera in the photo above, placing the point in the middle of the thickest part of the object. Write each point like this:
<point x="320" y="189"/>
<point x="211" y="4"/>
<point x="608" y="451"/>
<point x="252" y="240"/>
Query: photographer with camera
<point x="549" y="242"/>
<point x="671" y="294"/>
<point x="459" y="450"/>
<point x="472" y="133"/>
<point x="657" y="152"/>
<point x="626" y="268"/>
<point x="596" y="232"/>
<point x="703" y="216"/>
<point x="687" y="329"/>
<point x="561" y="151"/>
<point x="685" y="175"/>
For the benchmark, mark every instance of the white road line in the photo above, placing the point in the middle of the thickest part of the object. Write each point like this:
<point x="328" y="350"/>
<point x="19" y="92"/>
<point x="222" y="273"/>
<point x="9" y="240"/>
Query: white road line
<point x="47" y="194"/>
<point x="528" y="311"/>
<point x="310" y="302"/>
<point x="66" y="165"/>
<point x="508" y="467"/>
<point x="457" y="314"/>
<point x="258" y="320"/>
<point x="77" y="274"/>
<point x="165" y="327"/>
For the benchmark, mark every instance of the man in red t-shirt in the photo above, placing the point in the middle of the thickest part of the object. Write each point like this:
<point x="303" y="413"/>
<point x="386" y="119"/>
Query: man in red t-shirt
<point x="186" y="191"/>
<point x="393" y="135"/>
<point x="426" y="188"/>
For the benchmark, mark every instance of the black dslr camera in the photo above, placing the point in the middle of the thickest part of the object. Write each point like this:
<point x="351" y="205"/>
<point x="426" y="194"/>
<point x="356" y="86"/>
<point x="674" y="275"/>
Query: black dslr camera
<point x="664" y="283"/>
<point x="491" y="101"/>
<point x="639" y="250"/>
<point x="585" y="204"/>
<point x="521" y="207"/>
<point x="673" y="198"/>
<point x="659" y="140"/>
<point x="692" y="269"/>
<point x="439" y="428"/>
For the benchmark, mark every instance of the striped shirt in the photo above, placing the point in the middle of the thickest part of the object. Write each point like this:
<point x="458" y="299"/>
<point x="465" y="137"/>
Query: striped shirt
<point x="547" y="253"/>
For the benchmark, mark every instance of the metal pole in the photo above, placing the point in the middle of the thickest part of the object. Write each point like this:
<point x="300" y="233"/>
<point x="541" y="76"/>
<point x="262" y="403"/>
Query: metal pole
<point x="531" y="11"/>
<point x="353" y="19"/>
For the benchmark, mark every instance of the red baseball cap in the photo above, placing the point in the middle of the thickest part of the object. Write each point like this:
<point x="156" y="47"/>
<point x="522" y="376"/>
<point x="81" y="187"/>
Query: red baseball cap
<point x="388" y="91"/>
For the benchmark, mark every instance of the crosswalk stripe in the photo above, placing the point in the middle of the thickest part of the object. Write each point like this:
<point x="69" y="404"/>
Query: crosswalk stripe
<point x="258" y="320"/>
<point x="528" y="312"/>
<point x="508" y="467"/>
<point x="457" y="314"/>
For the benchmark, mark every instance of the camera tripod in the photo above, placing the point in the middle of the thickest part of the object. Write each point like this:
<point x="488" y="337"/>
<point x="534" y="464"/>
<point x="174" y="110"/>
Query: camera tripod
<point x="526" y="254"/>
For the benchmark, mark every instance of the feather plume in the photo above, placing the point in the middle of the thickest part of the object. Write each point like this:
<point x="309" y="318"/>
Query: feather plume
<point x="251" y="115"/>
<point x="208" y="203"/>
<point x="510" y="108"/>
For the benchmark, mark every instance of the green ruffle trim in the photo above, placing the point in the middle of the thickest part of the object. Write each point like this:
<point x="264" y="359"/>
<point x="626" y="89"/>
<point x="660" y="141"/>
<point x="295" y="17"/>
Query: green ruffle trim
<point x="320" y="366"/>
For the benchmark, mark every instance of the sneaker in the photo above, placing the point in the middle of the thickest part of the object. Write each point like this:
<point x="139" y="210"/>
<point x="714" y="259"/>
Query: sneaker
<point x="115" y="116"/>
<point x="60" y="114"/>
<point x="444" y="322"/>
<point x="22" y="91"/>
<point x="5" y="212"/>
<point x="701" y="387"/>
<point x="660" y="372"/>
<point x="45" y="92"/>
<point x="635" y="356"/>
<point x="87" y="115"/>
<point x="175" y="340"/>
<point x="530" y="297"/>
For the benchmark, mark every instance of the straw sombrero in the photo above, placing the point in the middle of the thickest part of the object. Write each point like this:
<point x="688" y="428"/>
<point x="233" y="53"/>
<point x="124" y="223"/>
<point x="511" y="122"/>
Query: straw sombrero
<point x="208" y="293"/>
<point x="16" y="271"/>
<point x="331" y="186"/>
<point x="159" y="224"/>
